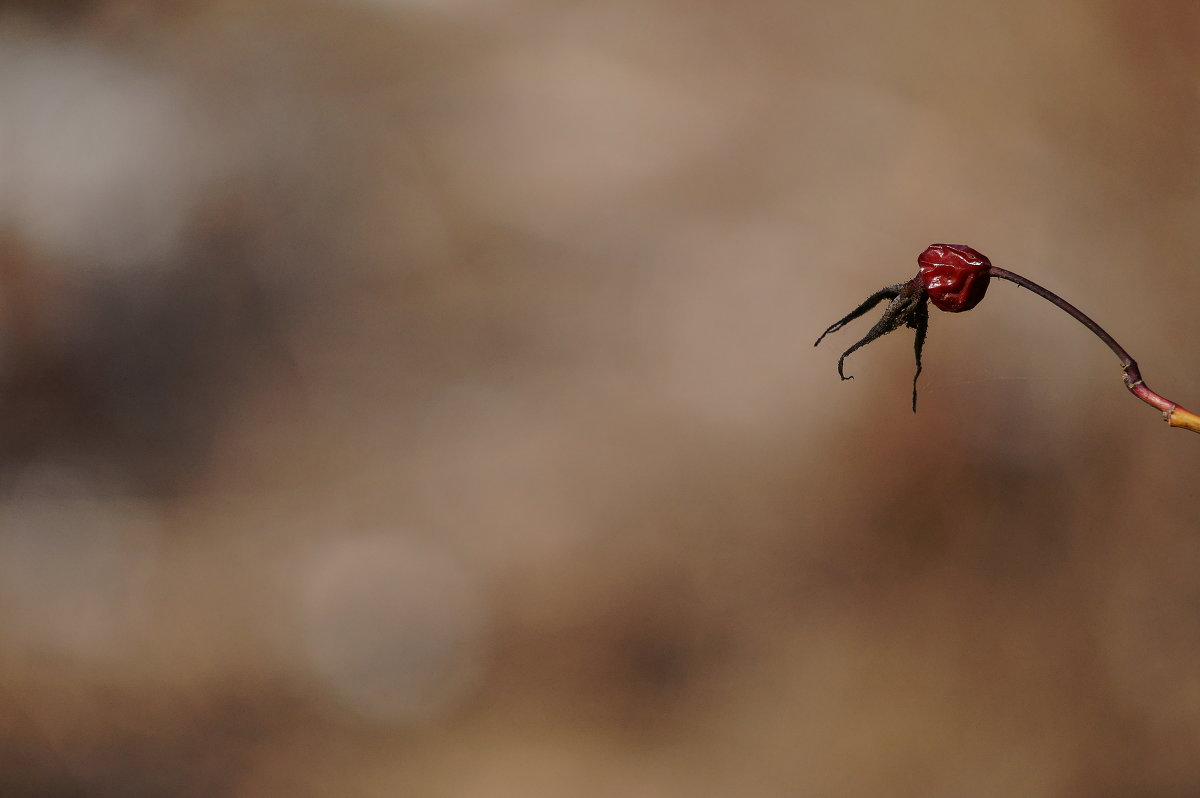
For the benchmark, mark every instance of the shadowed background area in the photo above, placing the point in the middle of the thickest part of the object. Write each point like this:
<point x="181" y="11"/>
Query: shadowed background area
<point x="417" y="397"/>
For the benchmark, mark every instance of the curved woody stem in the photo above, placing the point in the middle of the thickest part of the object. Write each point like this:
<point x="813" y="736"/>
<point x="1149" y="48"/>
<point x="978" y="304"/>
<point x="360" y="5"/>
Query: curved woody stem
<point x="1175" y="415"/>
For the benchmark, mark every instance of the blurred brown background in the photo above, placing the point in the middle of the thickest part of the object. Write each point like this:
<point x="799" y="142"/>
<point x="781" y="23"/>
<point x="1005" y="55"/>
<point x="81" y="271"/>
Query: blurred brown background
<point x="418" y="399"/>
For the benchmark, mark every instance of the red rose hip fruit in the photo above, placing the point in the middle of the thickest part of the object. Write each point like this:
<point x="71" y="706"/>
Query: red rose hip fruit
<point x="954" y="276"/>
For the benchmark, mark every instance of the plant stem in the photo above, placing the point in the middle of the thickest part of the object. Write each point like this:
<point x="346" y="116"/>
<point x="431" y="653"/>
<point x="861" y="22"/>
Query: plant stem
<point x="1175" y="415"/>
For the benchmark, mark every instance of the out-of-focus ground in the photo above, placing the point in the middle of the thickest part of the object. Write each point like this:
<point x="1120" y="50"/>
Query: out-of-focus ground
<point x="418" y="398"/>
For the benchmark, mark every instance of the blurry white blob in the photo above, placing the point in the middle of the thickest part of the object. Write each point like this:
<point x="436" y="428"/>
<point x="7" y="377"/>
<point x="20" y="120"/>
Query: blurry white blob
<point x="99" y="161"/>
<point x="393" y="629"/>
<point x="75" y="565"/>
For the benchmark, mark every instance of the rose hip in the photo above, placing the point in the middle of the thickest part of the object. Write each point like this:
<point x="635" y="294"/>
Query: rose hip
<point x="954" y="276"/>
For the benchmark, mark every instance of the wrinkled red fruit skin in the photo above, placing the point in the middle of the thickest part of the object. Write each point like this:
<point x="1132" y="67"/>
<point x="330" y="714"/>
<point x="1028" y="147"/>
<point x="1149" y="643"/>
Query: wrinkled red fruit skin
<point x="954" y="276"/>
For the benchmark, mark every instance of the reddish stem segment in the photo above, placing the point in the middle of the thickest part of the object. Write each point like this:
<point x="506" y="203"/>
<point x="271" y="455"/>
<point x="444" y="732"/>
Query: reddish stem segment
<point x="1175" y="415"/>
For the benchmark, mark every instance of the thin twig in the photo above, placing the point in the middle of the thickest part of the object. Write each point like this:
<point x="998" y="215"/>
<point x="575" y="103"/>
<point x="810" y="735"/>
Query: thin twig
<point x="1175" y="415"/>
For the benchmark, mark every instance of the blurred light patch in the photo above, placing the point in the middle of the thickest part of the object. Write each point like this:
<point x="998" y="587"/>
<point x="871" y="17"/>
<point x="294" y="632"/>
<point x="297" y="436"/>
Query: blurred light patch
<point x="394" y="630"/>
<point x="74" y="565"/>
<point x="101" y="160"/>
<point x="569" y="126"/>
